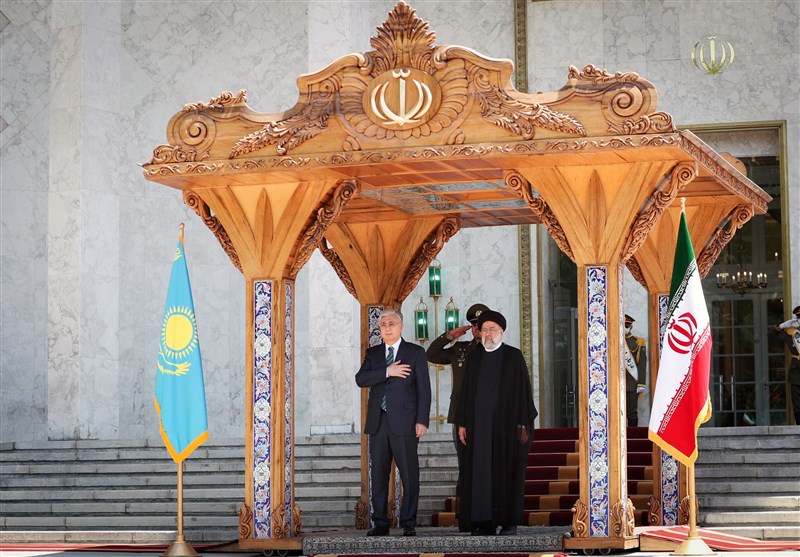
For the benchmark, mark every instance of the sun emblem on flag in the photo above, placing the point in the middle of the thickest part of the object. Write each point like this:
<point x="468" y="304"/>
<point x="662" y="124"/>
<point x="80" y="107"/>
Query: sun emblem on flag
<point x="178" y="340"/>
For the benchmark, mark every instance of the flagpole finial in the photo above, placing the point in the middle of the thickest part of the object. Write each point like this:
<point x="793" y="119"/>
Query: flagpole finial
<point x="683" y="207"/>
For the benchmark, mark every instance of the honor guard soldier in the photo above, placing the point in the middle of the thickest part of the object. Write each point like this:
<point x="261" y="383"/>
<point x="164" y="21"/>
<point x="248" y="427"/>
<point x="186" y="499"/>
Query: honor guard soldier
<point x="448" y="350"/>
<point x="635" y="359"/>
<point x="789" y="333"/>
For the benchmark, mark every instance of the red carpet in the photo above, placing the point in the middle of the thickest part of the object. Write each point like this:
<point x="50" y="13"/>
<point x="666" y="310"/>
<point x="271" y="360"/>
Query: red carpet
<point x="720" y="541"/>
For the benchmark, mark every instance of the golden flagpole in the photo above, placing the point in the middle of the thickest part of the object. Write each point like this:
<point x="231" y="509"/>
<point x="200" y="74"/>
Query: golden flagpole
<point x="693" y="544"/>
<point x="179" y="548"/>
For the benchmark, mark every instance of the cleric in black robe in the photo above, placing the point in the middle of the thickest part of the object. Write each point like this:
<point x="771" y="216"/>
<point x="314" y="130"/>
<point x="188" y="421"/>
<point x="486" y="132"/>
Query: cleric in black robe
<point x="495" y="420"/>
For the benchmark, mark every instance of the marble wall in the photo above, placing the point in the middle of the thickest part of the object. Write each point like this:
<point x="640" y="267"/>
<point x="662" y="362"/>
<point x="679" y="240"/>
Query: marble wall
<point x="87" y="90"/>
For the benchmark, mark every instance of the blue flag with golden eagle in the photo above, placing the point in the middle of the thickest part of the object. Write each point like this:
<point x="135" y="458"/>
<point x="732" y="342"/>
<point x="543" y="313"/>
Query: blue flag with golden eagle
<point x="180" y="394"/>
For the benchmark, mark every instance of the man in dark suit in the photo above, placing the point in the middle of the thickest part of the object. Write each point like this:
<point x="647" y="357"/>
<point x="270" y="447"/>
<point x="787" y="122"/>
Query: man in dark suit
<point x="398" y="411"/>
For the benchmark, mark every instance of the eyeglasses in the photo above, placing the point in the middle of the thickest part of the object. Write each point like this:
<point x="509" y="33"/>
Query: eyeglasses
<point x="493" y="330"/>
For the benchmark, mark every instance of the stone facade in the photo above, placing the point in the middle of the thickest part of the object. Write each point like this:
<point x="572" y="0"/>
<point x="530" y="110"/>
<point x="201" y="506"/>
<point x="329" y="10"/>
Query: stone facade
<point x="88" y="88"/>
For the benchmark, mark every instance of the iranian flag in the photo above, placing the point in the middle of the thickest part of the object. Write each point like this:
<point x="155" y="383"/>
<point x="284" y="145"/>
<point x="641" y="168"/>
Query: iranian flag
<point x="681" y="401"/>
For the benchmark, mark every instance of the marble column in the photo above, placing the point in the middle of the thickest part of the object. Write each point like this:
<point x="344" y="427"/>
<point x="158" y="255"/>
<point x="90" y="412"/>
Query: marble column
<point x="83" y="223"/>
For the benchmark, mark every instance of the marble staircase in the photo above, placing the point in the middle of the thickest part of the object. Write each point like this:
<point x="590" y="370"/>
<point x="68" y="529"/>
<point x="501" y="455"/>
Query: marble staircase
<point x="748" y="480"/>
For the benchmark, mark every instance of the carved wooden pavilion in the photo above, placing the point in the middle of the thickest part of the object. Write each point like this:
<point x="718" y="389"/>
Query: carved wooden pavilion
<point x="383" y="158"/>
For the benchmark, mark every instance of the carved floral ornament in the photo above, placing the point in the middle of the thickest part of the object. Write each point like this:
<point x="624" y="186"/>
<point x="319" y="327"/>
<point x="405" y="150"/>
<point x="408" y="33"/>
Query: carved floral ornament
<point x="408" y="87"/>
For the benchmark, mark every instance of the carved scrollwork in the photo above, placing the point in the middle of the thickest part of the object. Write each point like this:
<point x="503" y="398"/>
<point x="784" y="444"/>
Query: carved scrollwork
<point x="286" y="134"/>
<point x="191" y="135"/>
<point x="681" y="174"/>
<point x="279" y="530"/>
<point x="566" y="145"/>
<point x="196" y="204"/>
<point x="657" y="122"/>
<point x="429" y="249"/>
<point x="404" y="40"/>
<point x="617" y="519"/>
<point x="630" y="523"/>
<point x="192" y="132"/>
<point x="723" y="172"/>
<point x="636" y="270"/>
<point x="297" y="520"/>
<point x="245" y="522"/>
<point x="580" y="519"/>
<point x="626" y="100"/>
<point x="518" y="117"/>
<point x="338" y="266"/>
<point x="520" y="185"/>
<point x="722" y="235"/>
<point x="325" y="215"/>
<point x="218" y="103"/>
<point x="654" y="511"/>
<point x="362" y="515"/>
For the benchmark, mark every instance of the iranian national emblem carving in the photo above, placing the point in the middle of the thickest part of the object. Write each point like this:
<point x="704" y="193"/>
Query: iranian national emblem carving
<point x="402" y="98"/>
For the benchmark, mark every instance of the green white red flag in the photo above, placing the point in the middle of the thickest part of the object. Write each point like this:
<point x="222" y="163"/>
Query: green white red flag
<point x="681" y="401"/>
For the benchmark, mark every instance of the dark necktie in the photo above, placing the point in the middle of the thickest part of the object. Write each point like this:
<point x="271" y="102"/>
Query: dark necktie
<point x="389" y="361"/>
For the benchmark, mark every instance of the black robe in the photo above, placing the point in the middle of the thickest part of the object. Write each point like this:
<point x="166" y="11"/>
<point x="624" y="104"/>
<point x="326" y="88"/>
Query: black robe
<point x="510" y="443"/>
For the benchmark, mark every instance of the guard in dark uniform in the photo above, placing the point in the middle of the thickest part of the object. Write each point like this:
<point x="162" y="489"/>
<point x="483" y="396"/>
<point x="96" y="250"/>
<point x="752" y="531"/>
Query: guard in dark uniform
<point x="635" y="359"/>
<point x="789" y="333"/>
<point x="448" y="350"/>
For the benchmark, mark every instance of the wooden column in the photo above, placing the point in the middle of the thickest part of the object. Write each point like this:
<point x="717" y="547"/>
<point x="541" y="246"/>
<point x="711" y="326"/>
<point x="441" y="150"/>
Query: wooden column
<point x="599" y="216"/>
<point x="269" y="232"/>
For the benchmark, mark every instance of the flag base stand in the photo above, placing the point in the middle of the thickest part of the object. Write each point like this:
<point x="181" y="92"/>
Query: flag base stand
<point x="693" y="546"/>
<point x="179" y="548"/>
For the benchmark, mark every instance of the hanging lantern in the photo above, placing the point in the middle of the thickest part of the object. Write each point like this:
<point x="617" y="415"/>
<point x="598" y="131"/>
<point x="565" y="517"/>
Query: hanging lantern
<point x="450" y="315"/>
<point x="435" y="278"/>
<point x="421" y="320"/>
<point x="712" y="55"/>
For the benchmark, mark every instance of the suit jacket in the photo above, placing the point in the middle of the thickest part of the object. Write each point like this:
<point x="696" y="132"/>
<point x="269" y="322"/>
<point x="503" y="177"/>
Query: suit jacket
<point x="408" y="400"/>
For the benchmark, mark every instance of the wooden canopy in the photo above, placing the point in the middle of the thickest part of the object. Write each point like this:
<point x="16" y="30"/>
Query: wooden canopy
<point x="392" y="151"/>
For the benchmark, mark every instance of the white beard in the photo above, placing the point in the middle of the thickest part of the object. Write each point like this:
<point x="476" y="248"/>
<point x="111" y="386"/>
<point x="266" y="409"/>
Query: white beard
<point x="491" y="344"/>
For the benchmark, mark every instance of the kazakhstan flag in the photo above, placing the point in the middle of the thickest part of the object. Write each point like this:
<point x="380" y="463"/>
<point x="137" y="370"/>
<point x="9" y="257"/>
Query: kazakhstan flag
<point x="180" y="393"/>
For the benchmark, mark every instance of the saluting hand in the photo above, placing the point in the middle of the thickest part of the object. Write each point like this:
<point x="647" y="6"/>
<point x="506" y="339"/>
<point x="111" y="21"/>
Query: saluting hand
<point x="459" y="331"/>
<point x="398" y="369"/>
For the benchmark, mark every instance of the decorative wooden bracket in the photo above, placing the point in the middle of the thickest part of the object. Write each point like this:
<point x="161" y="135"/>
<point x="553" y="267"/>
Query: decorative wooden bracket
<point x="196" y="204"/>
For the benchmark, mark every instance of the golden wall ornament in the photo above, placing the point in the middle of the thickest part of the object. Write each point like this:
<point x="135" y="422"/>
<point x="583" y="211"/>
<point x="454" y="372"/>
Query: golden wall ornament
<point x="713" y="55"/>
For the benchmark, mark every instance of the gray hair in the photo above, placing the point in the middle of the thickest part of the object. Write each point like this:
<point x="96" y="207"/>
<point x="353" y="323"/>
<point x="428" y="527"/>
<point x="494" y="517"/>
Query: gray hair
<point x="391" y="312"/>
